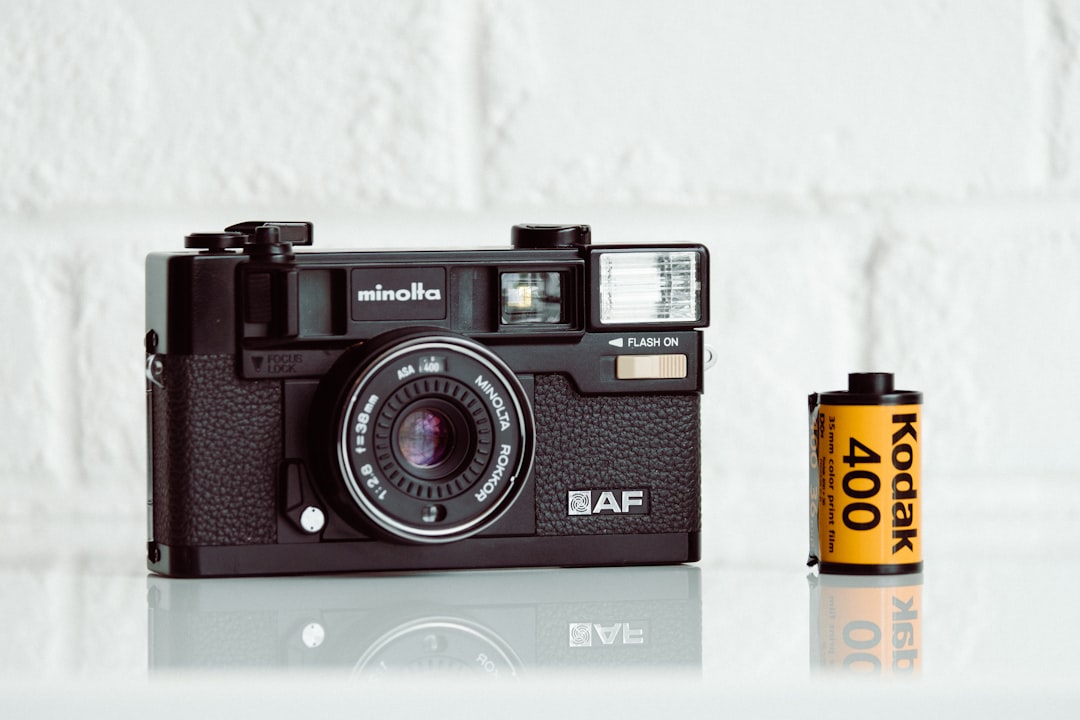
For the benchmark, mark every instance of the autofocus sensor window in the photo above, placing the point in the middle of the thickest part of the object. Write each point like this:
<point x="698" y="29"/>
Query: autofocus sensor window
<point x="531" y="298"/>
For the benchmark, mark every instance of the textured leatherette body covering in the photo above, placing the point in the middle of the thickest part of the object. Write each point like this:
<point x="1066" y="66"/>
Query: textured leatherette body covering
<point x="615" y="442"/>
<point x="217" y="442"/>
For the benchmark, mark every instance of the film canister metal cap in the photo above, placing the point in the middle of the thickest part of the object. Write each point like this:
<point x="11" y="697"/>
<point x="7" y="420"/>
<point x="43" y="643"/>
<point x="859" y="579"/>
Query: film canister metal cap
<point x="865" y="478"/>
<point x="871" y="388"/>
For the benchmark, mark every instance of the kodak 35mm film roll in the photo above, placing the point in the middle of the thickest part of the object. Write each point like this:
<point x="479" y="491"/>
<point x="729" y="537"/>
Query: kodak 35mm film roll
<point x="865" y="484"/>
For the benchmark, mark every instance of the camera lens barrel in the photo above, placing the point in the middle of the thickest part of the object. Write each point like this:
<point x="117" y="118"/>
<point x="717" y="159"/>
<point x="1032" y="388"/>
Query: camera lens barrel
<point x="431" y="436"/>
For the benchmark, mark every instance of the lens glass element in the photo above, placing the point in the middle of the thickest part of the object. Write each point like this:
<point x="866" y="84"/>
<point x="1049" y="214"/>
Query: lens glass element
<point x="425" y="438"/>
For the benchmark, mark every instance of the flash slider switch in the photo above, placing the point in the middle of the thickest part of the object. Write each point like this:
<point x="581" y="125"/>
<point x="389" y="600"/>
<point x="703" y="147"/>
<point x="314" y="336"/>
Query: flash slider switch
<point x="650" y="367"/>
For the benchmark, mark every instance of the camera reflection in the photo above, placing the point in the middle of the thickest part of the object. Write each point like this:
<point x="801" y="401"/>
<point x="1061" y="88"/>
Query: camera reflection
<point x="493" y="625"/>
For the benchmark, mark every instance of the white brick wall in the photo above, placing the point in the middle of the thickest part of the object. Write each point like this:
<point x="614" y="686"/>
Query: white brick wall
<point x="883" y="185"/>
<point x="685" y="103"/>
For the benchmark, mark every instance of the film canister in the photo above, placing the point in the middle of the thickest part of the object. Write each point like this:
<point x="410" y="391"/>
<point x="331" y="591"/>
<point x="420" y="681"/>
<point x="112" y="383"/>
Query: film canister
<point x="865" y="483"/>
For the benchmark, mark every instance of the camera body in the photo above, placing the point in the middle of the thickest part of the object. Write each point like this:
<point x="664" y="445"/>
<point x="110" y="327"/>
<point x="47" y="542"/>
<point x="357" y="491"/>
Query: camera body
<point x="536" y="405"/>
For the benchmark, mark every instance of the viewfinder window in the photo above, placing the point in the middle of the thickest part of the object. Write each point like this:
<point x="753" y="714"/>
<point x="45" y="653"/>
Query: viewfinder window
<point x="530" y="298"/>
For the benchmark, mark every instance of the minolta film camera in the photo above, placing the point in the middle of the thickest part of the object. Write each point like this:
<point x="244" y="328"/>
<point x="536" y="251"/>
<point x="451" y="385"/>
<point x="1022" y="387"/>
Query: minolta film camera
<point x="349" y="411"/>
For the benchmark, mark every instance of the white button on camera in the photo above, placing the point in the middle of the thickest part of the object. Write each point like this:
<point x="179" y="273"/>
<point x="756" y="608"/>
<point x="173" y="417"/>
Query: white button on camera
<point x="650" y="367"/>
<point x="312" y="519"/>
<point x="313" y="635"/>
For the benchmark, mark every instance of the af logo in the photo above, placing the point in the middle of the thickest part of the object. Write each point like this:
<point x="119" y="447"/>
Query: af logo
<point x="583" y="634"/>
<point x="607" y="502"/>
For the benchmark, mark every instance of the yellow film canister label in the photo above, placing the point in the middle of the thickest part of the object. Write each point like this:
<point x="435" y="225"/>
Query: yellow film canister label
<point x="866" y="478"/>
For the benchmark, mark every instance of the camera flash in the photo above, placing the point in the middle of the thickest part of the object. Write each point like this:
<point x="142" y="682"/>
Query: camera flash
<point x="649" y="287"/>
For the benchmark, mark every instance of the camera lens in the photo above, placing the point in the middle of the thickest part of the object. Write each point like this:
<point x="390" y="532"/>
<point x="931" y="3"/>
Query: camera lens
<point x="432" y="436"/>
<point x="425" y="438"/>
<point x="431" y="439"/>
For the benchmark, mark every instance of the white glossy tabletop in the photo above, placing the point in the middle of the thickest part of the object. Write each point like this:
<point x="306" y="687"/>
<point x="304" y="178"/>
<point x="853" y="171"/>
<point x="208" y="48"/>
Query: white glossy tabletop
<point x="89" y="631"/>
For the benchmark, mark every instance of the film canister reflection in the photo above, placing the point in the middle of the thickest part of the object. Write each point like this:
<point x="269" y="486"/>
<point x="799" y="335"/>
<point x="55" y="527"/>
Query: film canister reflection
<point x="865" y="483"/>
<point x="868" y="625"/>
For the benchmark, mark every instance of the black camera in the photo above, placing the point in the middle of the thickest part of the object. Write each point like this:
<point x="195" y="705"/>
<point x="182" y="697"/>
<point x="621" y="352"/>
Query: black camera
<point x="346" y="411"/>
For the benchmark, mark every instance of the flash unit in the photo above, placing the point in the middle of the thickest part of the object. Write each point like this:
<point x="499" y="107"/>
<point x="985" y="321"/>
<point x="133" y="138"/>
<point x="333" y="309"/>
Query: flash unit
<point x="655" y="286"/>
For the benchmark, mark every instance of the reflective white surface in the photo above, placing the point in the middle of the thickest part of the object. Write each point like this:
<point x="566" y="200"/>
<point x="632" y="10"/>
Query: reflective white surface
<point x="997" y="634"/>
